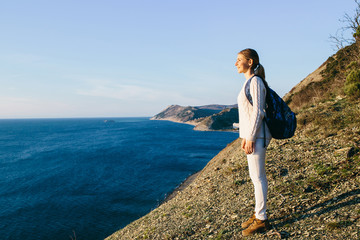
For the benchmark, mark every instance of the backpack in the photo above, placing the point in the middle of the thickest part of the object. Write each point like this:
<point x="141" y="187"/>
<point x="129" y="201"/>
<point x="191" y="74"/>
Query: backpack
<point x="279" y="118"/>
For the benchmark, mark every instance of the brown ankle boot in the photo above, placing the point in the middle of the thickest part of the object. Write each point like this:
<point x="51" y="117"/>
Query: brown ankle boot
<point x="248" y="222"/>
<point x="257" y="226"/>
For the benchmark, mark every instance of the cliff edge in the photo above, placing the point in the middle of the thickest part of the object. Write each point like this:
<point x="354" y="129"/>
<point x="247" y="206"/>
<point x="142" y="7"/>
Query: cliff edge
<point x="314" y="193"/>
<point x="314" y="180"/>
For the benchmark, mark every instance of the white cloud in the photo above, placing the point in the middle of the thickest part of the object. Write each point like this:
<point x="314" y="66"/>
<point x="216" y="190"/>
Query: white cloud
<point x="132" y="92"/>
<point x="22" y="58"/>
<point x="95" y="97"/>
<point x="19" y="107"/>
<point x="121" y="92"/>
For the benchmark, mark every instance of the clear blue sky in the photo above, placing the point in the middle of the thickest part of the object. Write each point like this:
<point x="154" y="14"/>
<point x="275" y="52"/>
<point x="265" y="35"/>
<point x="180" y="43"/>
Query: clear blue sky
<point x="117" y="58"/>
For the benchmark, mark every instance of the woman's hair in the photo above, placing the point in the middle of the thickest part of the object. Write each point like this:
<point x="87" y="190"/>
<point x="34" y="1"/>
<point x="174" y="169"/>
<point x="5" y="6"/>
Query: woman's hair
<point x="256" y="67"/>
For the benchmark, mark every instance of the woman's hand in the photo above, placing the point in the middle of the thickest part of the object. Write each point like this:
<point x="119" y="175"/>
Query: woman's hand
<point x="248" y="146"/>
<point x="243" y="143"/>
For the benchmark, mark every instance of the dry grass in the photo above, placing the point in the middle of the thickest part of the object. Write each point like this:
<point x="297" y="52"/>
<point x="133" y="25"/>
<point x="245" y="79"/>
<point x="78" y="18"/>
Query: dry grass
<point x="327" y="81"/>
<point x="329" y="117"/>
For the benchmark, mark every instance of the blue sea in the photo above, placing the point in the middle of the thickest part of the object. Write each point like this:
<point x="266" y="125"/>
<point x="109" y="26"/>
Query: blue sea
<point x="87" y="178"/>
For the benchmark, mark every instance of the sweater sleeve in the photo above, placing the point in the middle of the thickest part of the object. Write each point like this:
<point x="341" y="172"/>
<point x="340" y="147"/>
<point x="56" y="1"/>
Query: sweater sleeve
<point x="258" y="92"/>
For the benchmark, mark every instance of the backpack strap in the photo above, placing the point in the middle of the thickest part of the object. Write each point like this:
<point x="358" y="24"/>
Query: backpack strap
<point x="247" y="90"/>
<point x="249" y="97"/>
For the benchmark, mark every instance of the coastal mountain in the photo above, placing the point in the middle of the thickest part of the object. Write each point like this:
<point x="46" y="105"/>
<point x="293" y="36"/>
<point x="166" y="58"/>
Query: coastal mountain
<point x="223" y="120"/>
<point x="194" y="115"/>
<point x="314" y="180"/>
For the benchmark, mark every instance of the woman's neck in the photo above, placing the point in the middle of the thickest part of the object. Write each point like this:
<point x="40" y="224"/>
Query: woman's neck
<point x="248" y="74"/>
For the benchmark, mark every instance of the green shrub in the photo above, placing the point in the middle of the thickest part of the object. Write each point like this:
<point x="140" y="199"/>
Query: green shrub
<point x="353" y="76"/>
<point x="357" y="33"/>
<point x="352" y="84"/>
<point x="352" y="90"/>
<point x="338" y="225"/>
<point x="353" y="65"/>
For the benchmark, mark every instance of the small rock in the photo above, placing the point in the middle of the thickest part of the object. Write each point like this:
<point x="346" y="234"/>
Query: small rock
<point x="308" y="189"/>
<point x="283" y="172"/>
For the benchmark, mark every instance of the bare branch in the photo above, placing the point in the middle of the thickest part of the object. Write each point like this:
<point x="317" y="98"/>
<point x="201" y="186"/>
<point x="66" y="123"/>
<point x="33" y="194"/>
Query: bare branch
<point x="351" y="23"/>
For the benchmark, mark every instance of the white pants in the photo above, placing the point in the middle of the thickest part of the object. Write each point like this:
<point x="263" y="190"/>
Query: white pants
<point x="256" y="163"/>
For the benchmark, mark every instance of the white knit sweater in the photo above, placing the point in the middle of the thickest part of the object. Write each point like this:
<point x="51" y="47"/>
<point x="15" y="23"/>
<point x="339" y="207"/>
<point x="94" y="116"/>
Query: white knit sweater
<point x="251" y="117"/>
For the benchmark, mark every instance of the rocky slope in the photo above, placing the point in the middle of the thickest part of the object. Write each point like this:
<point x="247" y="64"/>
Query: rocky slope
<point x="327" y="81"/>
<point x="314" y="180"/>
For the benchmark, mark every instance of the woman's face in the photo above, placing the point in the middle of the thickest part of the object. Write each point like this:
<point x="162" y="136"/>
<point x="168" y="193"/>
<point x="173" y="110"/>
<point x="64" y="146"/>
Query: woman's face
<point x="242" y="64"/>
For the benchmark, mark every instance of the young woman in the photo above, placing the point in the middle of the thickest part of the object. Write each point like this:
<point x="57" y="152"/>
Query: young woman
<point x="255" y="134"/>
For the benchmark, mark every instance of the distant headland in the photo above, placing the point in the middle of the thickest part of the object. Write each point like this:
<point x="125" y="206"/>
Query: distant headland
<point x="204" y="118"/>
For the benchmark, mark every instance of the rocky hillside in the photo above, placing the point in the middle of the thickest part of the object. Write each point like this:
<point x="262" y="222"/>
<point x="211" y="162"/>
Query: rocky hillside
<point x="327" y="81"/>
<point x="195" y="115"/>
<point x="314" y="177"/>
